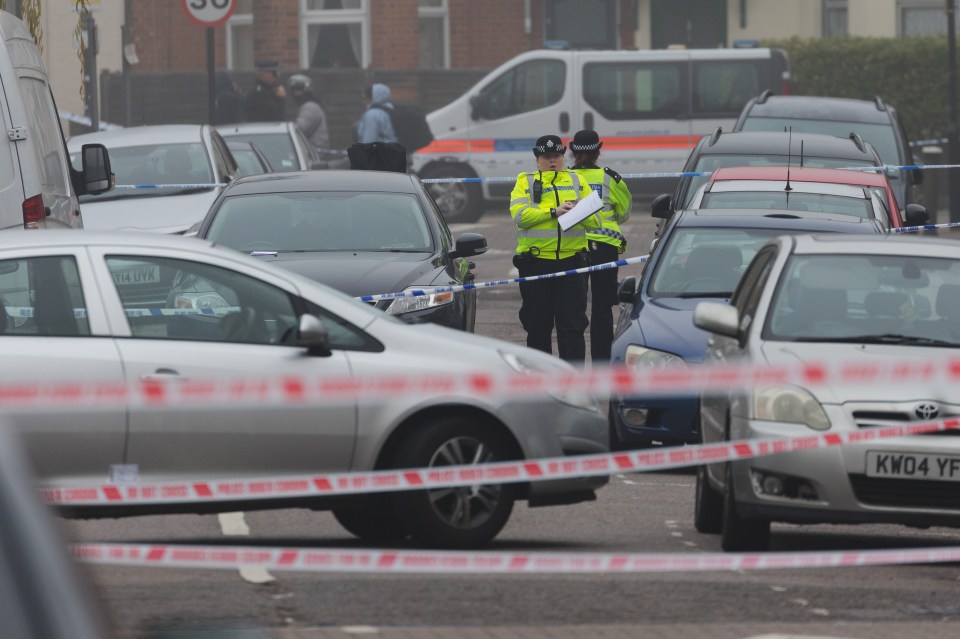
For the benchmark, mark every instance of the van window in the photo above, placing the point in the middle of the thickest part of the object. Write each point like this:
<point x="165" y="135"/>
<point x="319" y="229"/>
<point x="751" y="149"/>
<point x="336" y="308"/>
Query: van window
<point x="527" y="87"/>
<point x="724" y="87"/>
<point x="636" y="91"/>
<point x="41" y="125"/>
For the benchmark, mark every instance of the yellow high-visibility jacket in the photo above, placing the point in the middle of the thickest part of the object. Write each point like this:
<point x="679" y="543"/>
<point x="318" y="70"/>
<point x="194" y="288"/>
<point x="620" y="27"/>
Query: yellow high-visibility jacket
<point x="538" y="229"/>
<point x="617" y="201"/>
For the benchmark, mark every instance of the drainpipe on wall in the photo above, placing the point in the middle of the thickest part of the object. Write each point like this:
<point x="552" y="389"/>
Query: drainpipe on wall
<point x="527" y="17"/>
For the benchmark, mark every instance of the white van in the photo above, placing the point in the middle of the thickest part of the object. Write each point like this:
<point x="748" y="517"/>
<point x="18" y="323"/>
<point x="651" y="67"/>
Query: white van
<point x="38" y="186"/>
<point x="649" y="107"/>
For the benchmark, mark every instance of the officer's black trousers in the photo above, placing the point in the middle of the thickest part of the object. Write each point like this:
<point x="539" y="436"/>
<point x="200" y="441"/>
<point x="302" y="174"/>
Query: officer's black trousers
<point x="560" y="302"/>
<point x="603" y="296"/>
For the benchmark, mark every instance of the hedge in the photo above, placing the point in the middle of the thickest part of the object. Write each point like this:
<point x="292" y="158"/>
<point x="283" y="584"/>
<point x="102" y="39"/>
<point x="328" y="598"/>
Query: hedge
<point x="910" y="74"/>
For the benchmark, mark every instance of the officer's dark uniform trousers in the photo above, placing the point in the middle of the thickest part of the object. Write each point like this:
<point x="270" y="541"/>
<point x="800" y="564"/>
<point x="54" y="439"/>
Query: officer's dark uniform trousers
<point x="559" y="301"/>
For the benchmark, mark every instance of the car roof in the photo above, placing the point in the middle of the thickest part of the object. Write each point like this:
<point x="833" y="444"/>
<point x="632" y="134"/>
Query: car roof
<point x="56" y="238"/>
<point x="253" y="127"/>
<point x="783" y="143"/>
<point x="140" y="135"/>
<point x="887" y="244"/>
<point x="804" y="221"/>
<point x="821" y="108"/>
<point x="799" y="174"/>
<point x="327" y="180"/>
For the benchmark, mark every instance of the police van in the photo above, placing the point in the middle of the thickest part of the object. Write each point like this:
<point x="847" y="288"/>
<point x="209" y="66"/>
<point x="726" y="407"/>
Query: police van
<point x="649" y="107"/>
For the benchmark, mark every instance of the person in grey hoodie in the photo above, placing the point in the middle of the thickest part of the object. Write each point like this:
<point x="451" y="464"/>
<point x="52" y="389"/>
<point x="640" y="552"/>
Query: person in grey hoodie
<point x="375" y="124"/>
<point x="311" y="119"/>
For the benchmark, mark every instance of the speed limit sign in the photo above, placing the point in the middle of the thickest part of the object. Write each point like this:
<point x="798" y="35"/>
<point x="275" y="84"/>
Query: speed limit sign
<point x="209" y="13"/>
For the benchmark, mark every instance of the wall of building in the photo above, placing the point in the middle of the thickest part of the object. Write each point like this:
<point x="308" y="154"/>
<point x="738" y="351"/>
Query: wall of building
<point x="872" y="18"/>
<point x="775" y="20"/>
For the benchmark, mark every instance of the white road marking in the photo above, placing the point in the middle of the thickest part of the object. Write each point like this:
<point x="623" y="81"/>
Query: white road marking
<point x="778" y="588"/>
<point x="233" y="525"/>
<point x="691" y="544"/>
<point x="676" y="534"/>
<point x="360" y="630"/>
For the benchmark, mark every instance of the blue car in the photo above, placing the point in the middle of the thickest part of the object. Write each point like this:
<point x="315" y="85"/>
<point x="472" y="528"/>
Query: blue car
<point x="699" y="256"/>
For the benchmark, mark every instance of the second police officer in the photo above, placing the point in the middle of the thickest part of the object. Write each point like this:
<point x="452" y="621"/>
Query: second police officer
<point x="537" y="201"/>
<point x="606" y="243"/>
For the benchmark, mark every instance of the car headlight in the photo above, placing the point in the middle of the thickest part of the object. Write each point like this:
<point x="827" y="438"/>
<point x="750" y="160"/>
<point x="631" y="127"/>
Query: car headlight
<point x="521" y="364"/>
<point x="791" y="404"/>
<point x="640" y="358"/>
<point x="403" y="305"/>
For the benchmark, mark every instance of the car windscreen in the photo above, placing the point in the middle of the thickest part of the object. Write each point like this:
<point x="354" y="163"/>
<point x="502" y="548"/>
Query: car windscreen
<point x="789" y="201"/>
<point x="705" y="262"/>
<point x="883" y="299"/>
<point x="276" y="147"/>
<point x="164" y="168"/>
<point x="881" y="136"/>
<point x="322" y="221"/>
<point x="709" y="162"/>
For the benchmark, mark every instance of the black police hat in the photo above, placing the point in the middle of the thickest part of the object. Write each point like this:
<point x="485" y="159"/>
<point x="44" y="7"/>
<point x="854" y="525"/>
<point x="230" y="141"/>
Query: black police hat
<point x="585" y="141"/>
<point x="549" y="144"/>
<point x="267" y="65"/>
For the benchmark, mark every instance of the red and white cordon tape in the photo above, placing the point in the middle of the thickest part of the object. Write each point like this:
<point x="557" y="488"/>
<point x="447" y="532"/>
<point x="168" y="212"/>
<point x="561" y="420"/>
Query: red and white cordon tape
<point x="602" y="382"/>
<point x="297" y="486"/>
<point x="452" y="562"/>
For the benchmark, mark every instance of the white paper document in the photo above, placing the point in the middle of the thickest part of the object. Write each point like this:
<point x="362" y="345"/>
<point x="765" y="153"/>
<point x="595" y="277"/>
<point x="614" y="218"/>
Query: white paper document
<point x="584" y="209"/>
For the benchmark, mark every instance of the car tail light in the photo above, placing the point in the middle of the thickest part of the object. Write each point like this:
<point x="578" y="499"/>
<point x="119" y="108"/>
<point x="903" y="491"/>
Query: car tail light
<point x="33" y="212"/>
<point x="785" y="84"/>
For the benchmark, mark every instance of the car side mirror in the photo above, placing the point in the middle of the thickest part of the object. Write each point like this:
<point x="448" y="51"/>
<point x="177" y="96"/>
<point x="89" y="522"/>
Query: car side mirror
<point x="916" y="215"/>
<point x="662" y="207"/>
<point x="714" y="317"/>
<point x="96" y="176"/>
<point x="312" y="334"/>
<point x="469" y="244"/>
<point x="627" y="290"/>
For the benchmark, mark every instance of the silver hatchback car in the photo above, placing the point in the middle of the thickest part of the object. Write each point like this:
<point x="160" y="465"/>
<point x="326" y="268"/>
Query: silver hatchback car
<point x="854" y="299"/>
<point x="71" y="309"/>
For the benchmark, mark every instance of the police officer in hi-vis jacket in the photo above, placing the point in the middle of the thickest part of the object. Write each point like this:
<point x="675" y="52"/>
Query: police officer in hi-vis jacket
<point x="537" y="201"/>
<point x="606" y="243"/>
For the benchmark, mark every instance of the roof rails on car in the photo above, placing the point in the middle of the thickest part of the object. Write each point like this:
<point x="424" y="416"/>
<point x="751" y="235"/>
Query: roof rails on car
<point x="715" y="135"/>
<point x="858" y="141"/>
<point x="764" y="96"/>
<point x="880" y="105"/>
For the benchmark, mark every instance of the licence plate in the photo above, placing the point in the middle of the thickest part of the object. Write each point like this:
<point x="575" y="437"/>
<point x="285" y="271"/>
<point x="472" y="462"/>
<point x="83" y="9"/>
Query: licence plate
<point x="140" y="275"/>
<point x="913" y="466"/>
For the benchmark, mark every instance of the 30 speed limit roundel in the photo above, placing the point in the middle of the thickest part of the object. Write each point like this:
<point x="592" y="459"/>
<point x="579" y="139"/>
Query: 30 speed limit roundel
<point x="209" y="13"/>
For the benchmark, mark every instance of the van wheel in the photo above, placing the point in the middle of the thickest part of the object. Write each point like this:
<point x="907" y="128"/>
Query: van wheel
<point x="458" y="201"/>
<point x="708" y="505"/>
<point x="460" y="517"/>
<point x="374" y="523"/>
<point x="739" y="534"/>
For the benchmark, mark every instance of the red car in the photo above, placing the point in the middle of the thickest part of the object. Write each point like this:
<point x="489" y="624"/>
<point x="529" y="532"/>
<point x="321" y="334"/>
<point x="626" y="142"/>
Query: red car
<point x="811" y="189"/>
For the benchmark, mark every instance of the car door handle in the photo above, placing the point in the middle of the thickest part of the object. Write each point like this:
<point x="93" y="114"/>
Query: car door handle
<point x="160" y="374"/>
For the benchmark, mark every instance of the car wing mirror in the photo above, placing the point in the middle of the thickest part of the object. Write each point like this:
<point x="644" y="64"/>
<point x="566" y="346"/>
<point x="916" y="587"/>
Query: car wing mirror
<point x="312" y="334"/>
<point x="714" y="317"/>
<point x="662" y="207"/>
<point x="627" y="290"/>
<point x="916" y="215"/>
<point x="469" y="244"/>
<point x="96" y="176"/>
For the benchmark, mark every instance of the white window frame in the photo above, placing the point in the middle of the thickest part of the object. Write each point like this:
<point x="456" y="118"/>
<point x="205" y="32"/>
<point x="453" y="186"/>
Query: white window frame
<point x="905" y="5"/>
<point x="335" y="16"/>
<point x="440" y="12"/>
<point x="236" y="20"/>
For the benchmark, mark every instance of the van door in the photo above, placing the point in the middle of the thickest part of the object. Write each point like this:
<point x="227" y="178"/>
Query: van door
<point x="722" y="82"/>
<point x="526" y="101"/>
<point x="639" y="103"/>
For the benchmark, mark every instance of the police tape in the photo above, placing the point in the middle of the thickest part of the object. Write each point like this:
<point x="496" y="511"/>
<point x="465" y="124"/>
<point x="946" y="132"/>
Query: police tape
<point x="125" y="187"/>
<point x="436" y="290"/>
<point x="490" y="387"/>
<point x="925" y="227"/>
<point x="532" y="470"/>
<point x="487" y="562"/>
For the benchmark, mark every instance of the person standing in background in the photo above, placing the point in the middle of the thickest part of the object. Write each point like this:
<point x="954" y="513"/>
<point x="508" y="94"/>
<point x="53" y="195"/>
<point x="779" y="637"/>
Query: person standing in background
<point x="375" y="124"/>
<point x="265" y="101"/>
<point x="606" y="243"/>
<point x="311" y="119"/>
<point x="227" y="101"/>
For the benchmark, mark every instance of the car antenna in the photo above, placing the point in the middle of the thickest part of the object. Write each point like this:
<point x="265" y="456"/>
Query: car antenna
<point x="789" y="188"/>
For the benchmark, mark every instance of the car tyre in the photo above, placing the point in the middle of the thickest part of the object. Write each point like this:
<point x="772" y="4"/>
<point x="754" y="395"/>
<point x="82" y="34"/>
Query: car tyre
<point x="708" y="505"/>
<point x="740" y="534"/>
<point x="374" y="523"/>
<point x="460" y="517"/>
<point x="458" y="201"/>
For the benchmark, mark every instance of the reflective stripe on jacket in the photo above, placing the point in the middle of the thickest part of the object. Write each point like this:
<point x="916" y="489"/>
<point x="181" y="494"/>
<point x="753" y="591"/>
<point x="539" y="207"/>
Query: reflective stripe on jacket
<point x="538" y="230"/>
<point x="616" y="205"/>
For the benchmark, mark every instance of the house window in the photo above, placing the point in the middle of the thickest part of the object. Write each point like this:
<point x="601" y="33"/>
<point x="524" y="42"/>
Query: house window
<point x="334" y="33"/>
<point x="834" y="18"/>
<point x="434" y="34"/>
<point x="240" y="37"/>
<point x="922" y="17"/>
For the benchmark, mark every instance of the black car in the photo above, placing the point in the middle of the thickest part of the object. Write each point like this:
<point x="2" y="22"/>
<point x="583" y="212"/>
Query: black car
<point x="361" y="232"/>
<point x="875" y="121"/>
<point x="721" y="149"/>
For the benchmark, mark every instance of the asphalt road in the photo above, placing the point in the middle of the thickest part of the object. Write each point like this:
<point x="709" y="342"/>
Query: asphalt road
<point x="636" y="513"/>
